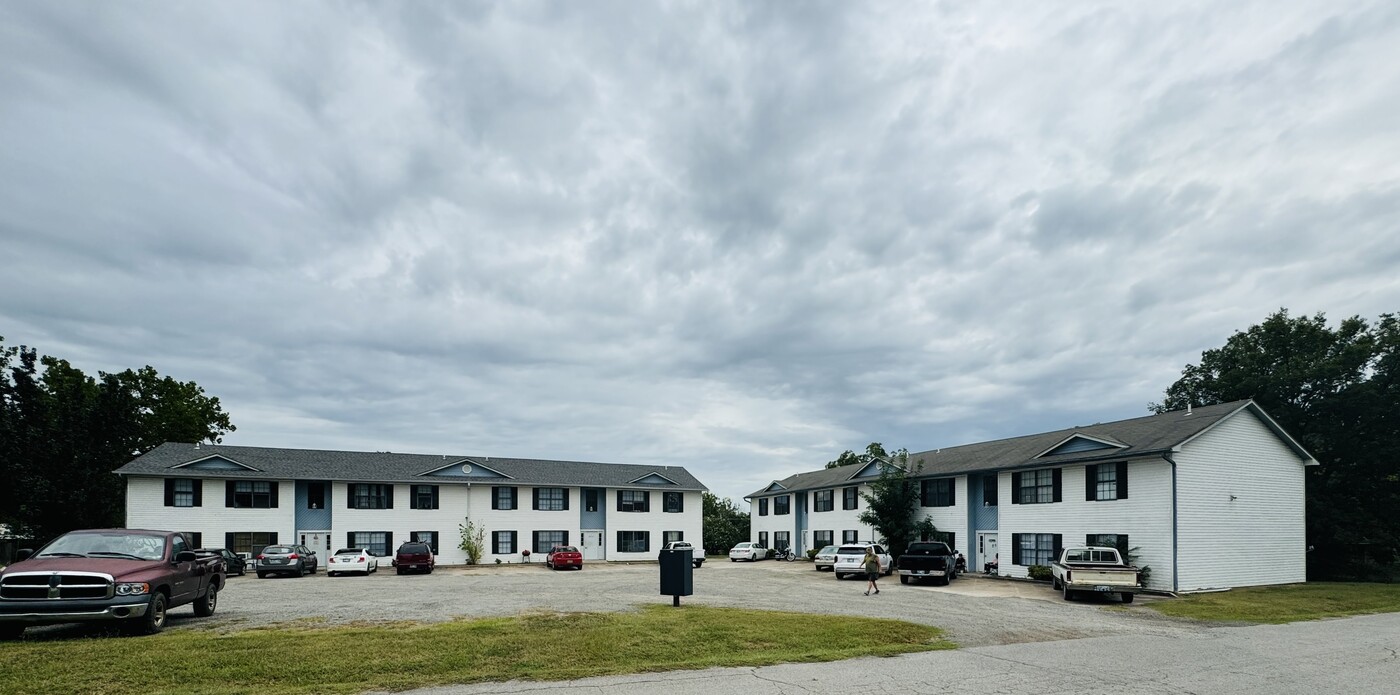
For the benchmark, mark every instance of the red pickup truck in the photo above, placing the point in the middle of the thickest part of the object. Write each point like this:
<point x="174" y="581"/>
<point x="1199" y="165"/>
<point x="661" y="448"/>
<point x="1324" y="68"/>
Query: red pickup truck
<point x="127" y="576"/>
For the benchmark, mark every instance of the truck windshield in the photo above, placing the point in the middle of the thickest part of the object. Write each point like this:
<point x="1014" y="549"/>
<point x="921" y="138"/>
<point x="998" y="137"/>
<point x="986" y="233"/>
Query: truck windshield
<point x="143" y="546"/>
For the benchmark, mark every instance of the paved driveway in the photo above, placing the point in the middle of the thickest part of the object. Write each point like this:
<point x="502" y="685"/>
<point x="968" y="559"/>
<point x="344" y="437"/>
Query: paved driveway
<point x="975" y="611"/>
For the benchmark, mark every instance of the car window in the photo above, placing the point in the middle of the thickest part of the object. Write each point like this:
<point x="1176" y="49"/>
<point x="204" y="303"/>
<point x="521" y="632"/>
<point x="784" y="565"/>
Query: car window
<point x="277" y="550"/>
<point x="349" y="551"/>
<point x="851" y="550"/>
<point x="565" y="549"/>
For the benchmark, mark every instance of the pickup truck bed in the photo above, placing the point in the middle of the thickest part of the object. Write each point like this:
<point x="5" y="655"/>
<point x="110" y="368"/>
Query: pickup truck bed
<point x="1094" y="570"/>
<point x="928" y="560"/>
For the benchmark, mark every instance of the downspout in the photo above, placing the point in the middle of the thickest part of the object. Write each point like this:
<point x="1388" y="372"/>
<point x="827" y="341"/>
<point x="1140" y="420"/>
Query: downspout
<point x="1167" y="456"/>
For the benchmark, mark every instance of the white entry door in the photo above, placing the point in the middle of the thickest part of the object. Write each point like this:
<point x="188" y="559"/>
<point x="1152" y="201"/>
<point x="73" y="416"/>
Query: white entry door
<point x="986" y="548"/>
<point x="593" y="545"/>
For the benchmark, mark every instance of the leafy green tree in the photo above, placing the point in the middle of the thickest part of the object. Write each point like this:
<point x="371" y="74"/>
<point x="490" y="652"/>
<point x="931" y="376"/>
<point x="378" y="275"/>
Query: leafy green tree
<point x="473" y="540"/>
<point x="873" y="451"/>
<point x="724" y="524"/>
<point x="1337" y="390"/>
<point x="63" y="433"/>
<point x="892" y="505"/>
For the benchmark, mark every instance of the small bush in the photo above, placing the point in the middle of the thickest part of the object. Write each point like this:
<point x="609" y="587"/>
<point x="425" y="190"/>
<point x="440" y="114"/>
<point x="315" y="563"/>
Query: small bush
<point x="812" y="554"/>
<point x="1039" y="572"/>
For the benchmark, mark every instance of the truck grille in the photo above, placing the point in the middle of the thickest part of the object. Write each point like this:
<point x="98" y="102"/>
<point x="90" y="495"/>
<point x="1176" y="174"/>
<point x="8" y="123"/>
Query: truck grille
<point x="32" y="586"/>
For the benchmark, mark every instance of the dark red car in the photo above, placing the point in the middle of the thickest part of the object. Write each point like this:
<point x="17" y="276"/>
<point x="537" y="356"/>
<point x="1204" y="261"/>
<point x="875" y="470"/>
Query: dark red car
<point x="564" y="556"/>
<point x="414" y="557"/>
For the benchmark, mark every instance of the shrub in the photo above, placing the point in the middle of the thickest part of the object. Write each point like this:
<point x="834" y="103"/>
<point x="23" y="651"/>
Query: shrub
<point x="1039" y="572"/>
<point x="812" y="554"/>
<point x="473" y="540"/>
<point x="770" y="554"/>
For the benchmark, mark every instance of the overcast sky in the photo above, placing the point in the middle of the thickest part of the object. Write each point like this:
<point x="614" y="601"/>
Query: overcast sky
<point x="737" y="237"/>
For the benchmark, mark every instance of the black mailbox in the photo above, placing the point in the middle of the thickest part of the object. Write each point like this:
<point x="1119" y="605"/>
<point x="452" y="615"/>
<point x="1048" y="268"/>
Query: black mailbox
<point x="677" y="579"/>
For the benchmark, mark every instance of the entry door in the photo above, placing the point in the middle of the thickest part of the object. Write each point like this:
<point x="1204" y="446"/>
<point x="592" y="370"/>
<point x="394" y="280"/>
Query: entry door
<point x="318" y="541"/>
<point x="593" y="545"/>
<point x="986" y="547"/>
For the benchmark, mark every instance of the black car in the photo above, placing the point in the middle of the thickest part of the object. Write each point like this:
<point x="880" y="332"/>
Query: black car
<point x="233" y="561"/>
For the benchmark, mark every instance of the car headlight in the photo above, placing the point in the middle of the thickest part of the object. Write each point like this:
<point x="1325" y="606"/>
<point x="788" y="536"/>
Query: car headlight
<point x="133" y="589"/>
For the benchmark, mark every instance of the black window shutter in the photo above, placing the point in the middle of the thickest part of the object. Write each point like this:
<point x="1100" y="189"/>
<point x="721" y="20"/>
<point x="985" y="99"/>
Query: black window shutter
<point x="272" y="538"/>
<point x="952" y="492"/>
<point x="495" y="498"/>
<point x="536" y="494"/>
<point x="1090" y="538"/>
<point x="953" y="540"/>
<point x="435" y="506"/>
<point x="534" y="541"/>
<point x="389" y="543"/>
<point x="198" y="493"/>
<point x="230" y="541"/>
<point x="1015" y="490"/>
<point x="1091" y="474"/>
<point x="1123" y="546"/>
<point x="1059" y="491"/>
<point x="680" y="500"/>
<point x="566" y="504"/>
<point x="389" y="490"/>
<point x="1122" y="480"/>
<point x="646" y="501"/>
<point x="646" y="541"/>
<point x="619" y="502"/>
<point x="273" y="486"/>
<point x="169" y="492"/>
<point x="350" y="539"/>
<point x="1015" y="546"/>
<point x="413" y="497"/>
<point x="1058" y="543"/>
<point x="228" y="494"/>
<point x="514" y="541"/>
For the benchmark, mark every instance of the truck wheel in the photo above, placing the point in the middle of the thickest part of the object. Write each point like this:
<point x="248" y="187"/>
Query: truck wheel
<point x="1069" y="593"/>
<point x="903" y="579"/>
<point x="1127" y="598"/>
<point x="1055" y="583"/>
<point x="11" y="632"/>
<point x="943" y="581"/>
<point x="154" y="619"/>
<point x="204" y="605"/>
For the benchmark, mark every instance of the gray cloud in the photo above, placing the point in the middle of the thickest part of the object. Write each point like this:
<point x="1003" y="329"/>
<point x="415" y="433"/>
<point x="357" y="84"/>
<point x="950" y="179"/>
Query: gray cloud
<point x="740" y="238"/>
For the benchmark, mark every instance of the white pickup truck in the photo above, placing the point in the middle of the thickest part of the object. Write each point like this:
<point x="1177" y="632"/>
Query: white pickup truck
<point x="1095" y="570"/>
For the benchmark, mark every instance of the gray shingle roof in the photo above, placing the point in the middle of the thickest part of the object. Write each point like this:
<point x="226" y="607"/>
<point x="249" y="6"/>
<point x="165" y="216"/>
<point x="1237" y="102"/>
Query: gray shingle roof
<point x="1143" y="436"/>
<point x="366" y="466"/>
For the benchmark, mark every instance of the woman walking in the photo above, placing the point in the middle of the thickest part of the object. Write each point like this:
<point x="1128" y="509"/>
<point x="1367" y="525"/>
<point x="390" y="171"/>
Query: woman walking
<point x="872" y="571"/>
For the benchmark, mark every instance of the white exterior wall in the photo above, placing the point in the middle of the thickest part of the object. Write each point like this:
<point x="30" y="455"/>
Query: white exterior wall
<point x="453" y="506"/>
<point x="145" y="508"/>
<point x="838" y="520"/>
<point x="773" y="522"/>
<point x="1146" y="516"/>
<point x="689" y="522"/>
<point x="1260" y="536"/>
<point x="952" y="519"/>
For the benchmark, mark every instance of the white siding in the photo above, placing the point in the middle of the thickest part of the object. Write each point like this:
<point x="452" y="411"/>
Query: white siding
<point x="837" y="520"/>
<point x="772" y="523"/>
<point x="453" y="507"/>
<point x="952" y="519"/>
<point x="1258" y="537"/>
<point x="656" y="521"/>
<point x="145" y="508"/>
<point x="1146" y="516"/>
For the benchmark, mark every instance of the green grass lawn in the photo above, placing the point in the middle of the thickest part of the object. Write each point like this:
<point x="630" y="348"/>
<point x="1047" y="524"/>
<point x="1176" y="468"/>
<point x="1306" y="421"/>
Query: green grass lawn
<point x="1286" y="604"/>
<point x="305" y="659"/>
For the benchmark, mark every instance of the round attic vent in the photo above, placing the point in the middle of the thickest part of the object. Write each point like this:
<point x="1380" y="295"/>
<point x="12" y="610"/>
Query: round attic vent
<point x="467" y="468"/>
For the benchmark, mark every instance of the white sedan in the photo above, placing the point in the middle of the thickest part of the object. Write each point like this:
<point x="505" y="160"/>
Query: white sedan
<point x="825" y="558"/>
<point x="352" y="560"/>
<point x="747" y="551"/>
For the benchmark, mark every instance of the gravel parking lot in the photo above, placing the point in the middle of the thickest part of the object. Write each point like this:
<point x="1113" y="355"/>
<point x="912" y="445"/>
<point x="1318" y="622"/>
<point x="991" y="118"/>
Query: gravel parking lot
<point x="976" y="611"/>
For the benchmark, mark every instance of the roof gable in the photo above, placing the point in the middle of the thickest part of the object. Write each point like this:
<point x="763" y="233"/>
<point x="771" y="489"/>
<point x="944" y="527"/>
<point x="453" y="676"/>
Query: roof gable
<point x="653" y="478"/>
<point x="466" y="468"/>
<point x="775" y="486"/>
<point x="214" y="462"/>
<point x="1079" y="443"/>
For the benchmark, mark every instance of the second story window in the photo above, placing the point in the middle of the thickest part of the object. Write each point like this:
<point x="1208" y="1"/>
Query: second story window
<point x="763" y="507"/>
<point x="782" y="505"/>
<point x="371" y="496"/>
<point x="850" y="498"/>
<point x="551" y="499"/>
<point x="823" y="500"/>
<point x="503" y="498"/>
<point x="1036" y="487"/>
<point x="673" y="502"/>
<point x="633" y="501"/>
<point x="183" y="492"/>
<point x="425" y="497"/>
<point x="255" y="494"/>
<point x="936" y="493"/>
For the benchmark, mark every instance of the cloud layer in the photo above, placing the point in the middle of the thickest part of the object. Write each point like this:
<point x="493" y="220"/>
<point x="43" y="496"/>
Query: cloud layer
<point x="735" y="237"/>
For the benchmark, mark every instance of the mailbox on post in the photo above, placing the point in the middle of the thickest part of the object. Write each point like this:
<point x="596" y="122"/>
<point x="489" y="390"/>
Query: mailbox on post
<point x="677" y="579"/>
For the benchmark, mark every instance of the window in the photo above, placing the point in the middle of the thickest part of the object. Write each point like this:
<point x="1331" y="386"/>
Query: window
<point x="763" y="538"/>
<point x="315" y="495"/>
<point x="936" y="493"/>
<point x="782" y="505"/>
<point x="633" y="541"/>
<point x="251" y="543"/>
<point x="849" y="537"/>
<point x="196" y="538"/>
<point x="371" y="496"/>
<point x="503" y="498"/>
<point x="948" y="537"/>
<point x="429" y="537"/>
<point x="989" y="491"/>
<point x="503" y="542"/>
<point x="590" y="500"/>
<point x="183" y="492"/>
<point x="763" y="507"/>
<point x="850" y="498"/>
<point x="544" y="540"/>
<point x="821" y="539"/>
<point x="672" y="536"/>
<point x="1036" y="487"/>
<point x="257" y="494"/>
<point x="673" y="502"/>
<point x="424" y="497"/>
<point x="782" y="539"/>
<point x="1110" y="540"/>
<point x="633" y="501"/>
<point x="1034" y="548"/>
<point x="376" y="542"/>
<point x="823" y="500"/>
<point x="1106" y="481"/>
<point x="551" y="499"/>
